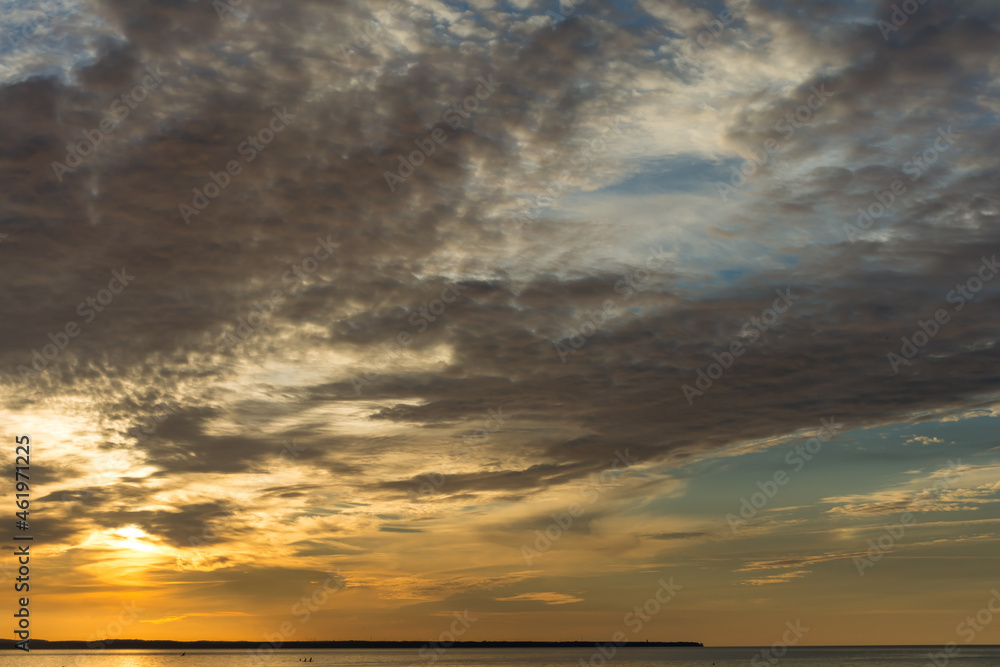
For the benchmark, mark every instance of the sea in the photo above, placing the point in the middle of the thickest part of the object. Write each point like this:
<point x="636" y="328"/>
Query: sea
<point x="913" y="656"/>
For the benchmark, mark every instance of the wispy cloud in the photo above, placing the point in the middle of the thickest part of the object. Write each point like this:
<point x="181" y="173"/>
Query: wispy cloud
<point x="547" y="598"/>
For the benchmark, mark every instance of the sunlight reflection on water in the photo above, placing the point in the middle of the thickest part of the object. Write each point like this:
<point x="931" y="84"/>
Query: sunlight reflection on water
<point x="568" y="657"/>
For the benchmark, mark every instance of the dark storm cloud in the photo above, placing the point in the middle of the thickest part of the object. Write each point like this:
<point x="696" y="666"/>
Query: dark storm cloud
<point x="322" y="177"/>
<point x="120" y="207"/>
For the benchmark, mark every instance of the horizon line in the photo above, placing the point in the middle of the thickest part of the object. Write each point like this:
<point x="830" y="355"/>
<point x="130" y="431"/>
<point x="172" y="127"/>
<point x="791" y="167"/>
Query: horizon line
<point x="109" y="643"/>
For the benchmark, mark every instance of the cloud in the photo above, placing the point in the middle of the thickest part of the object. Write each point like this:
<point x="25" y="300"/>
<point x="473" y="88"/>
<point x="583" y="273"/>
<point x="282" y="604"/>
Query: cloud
<point x="954" y="488"/>
<point x="782" y="578"/>
<point x="924" y="440"/>
<point x="547" y="598"/>
<point x="794" y="561"/>
<point x="171" y="619"/>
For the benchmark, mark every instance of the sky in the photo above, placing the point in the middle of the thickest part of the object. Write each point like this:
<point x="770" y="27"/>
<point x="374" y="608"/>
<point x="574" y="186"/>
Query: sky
<point x="333" y="319"/>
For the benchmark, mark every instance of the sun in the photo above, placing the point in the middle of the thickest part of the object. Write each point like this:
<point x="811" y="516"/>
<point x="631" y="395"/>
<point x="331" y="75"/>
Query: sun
<point x="134" y="537"/>
<point x="131" y="532"/>
<point x="129" y="554"/>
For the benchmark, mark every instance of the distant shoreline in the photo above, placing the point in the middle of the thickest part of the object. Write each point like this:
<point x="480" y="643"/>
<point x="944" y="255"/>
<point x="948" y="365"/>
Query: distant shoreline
<point x="118" y="644"/>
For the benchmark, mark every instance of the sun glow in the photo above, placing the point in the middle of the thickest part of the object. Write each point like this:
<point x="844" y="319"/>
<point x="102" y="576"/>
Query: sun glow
<point x="134" y="538"/>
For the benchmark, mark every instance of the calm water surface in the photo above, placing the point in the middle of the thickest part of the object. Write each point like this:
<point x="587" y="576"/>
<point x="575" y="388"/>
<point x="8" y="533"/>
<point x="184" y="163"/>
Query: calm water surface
<point x="970" y="656"/>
